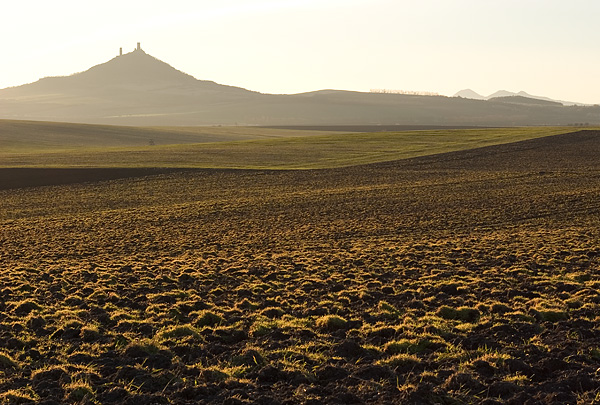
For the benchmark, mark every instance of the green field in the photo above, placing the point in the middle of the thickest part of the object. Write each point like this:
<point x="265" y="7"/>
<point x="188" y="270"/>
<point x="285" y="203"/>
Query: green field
<point x="43" y="137"/>
<point x="241" y="147"/>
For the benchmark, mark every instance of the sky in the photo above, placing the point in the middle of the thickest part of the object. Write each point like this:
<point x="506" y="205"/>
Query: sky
<point x="544" y="47"/>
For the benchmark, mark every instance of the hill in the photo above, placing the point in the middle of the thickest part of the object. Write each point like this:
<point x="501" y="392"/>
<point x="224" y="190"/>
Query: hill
<point x="138" y="89"/>
<point x="468" y="93"/>
<point x="43" y="137"/>
<point x="521" y="100"/>
<point x="276" y="149"/>
<point x="124" y="89"/>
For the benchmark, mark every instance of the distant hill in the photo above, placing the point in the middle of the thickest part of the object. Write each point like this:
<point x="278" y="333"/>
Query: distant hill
<point x="138" y="89"/>
<point x="501" y="93"/>
<point x="129" y="86"/>
<point x="135" y="71"/>
<point x="524" y="101"/>
<point x="468" y="93"/>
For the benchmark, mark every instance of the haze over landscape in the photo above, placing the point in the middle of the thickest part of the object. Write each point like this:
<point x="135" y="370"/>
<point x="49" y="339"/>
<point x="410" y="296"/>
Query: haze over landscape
<point x="289" y="46"/>
<point x="291" y="202"/>
<point x="136" y="88"/>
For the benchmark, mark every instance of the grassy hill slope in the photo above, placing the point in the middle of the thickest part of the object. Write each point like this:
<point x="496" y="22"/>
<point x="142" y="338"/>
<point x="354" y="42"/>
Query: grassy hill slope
<point x="281" y="151"/>
<point x="45" y="136"/>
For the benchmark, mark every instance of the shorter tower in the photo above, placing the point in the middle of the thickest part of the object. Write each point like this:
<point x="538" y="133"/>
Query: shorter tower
<point x="121" y="51"/>
<point x="138" y="47"/>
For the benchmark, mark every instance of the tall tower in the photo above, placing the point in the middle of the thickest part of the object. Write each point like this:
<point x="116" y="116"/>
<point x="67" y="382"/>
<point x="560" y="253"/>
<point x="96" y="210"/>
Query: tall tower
<point x="121" y="51"/>
<point x="138" y="47"/>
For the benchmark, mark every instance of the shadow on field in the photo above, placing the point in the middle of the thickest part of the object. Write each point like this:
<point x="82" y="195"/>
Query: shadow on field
<point x="563" y="152"/>
<point x="13" y="178"/>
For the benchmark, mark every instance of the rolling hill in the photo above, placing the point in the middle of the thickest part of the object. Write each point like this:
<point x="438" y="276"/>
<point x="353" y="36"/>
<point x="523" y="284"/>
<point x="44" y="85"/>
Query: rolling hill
<point x="524" y="101"/>
<point x="58" y="145"/>
<point x="44" y="137"/>
<point x="139" y="89"/>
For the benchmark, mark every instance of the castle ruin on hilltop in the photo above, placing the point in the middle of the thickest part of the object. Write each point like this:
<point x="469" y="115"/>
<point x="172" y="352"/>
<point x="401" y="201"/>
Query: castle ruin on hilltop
<point x="138" y="48"/>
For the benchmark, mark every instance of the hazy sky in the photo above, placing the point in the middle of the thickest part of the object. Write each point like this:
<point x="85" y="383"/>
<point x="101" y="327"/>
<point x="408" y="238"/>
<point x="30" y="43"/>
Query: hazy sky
<point x="544" y="47"/>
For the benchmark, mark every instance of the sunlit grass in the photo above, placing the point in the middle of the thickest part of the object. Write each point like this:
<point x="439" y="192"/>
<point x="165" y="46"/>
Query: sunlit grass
<point x="293" y="152"/>
<point x="43" y="137"/>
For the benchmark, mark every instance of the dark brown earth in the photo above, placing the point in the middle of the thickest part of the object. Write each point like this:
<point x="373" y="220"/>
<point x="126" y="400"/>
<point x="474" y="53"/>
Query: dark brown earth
<point x="11" y="178"/>
<point x="468" y="277"/>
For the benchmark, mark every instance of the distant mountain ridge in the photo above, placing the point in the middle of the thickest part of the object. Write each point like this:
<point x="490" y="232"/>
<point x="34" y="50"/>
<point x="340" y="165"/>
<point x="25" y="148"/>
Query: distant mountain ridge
<point x="468" y="93"/>
<point x="141" y="90"/>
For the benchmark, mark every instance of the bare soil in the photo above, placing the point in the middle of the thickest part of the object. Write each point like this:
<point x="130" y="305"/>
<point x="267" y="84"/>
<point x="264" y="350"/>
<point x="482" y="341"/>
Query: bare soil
<point x="468" y="277"/>
<point x="13" y="178"/>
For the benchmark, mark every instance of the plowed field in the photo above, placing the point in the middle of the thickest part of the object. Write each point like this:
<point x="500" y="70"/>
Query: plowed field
<point x="466" y="277"/>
